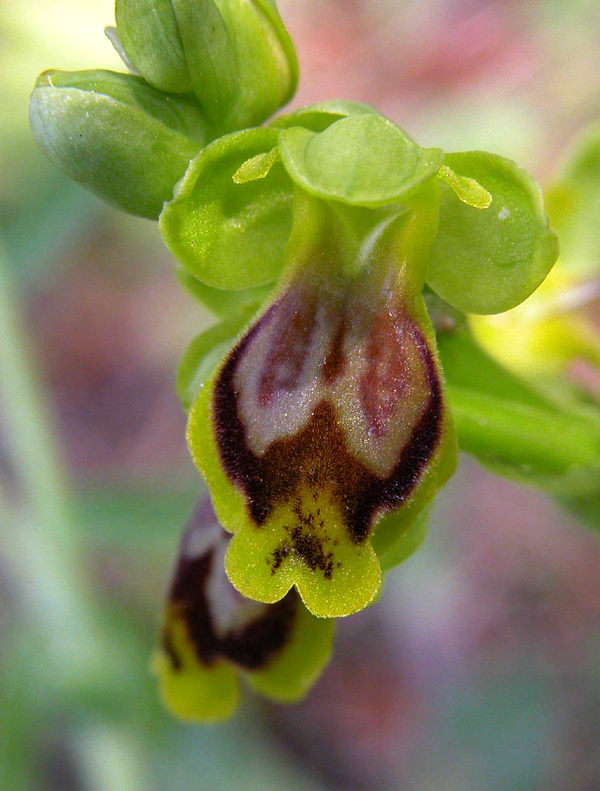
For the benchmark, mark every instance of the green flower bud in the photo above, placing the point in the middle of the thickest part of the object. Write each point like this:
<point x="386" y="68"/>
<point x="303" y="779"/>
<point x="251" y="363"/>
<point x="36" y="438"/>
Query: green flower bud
<point x="116" y="135"/>
<point x="235" y="55"/>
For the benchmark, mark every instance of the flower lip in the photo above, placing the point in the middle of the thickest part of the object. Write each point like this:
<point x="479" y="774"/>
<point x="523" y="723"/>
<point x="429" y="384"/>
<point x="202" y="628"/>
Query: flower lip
<point x="327" y="413"/>
<point x="273" y="476"/>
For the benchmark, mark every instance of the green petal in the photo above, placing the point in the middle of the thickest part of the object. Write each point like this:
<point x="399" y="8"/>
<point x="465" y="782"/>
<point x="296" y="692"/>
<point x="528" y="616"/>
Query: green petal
<point x="317" y="117"/>
<point x="228" y="235"/>
<point x="117" y="136"/>
<point x="361" y="160"/>
<point x="221" y="302"/>
<point x="489" y="260"/>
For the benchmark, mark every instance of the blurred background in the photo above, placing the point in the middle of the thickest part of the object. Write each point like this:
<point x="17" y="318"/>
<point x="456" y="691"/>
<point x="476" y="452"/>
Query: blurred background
<point x="479" y="668"/>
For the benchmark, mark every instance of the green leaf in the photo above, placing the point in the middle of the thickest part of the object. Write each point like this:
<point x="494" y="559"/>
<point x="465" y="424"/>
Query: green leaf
<point x="573" y="202"/>
<point x="204" y="353"/>
<point x="228" y="235"/>
<point x="585" y="507"/>
<point x="317" y="117"/>
<point x="222" y="303"/>
<point x="513" y="430"/>
<point x="117" y="136"/>
<point x="555" y="452"/>
<point x="490" y="260"/>
<point x="467" y="365"/>
<point x="361" y="160"/>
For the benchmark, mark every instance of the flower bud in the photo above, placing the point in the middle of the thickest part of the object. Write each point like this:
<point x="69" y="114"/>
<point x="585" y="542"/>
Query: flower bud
<point x="116" y="135"/>
<point x="235" y="55"/>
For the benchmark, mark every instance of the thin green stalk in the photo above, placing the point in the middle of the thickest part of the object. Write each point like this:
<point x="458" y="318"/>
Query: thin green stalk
<point x="46" y="544"/>
<point x="40" y="540"/>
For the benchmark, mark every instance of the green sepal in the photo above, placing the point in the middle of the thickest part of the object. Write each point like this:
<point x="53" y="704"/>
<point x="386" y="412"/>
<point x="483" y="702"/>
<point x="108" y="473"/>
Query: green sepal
<point x="235" y="55"/>
<point x="228" y="235"/>
<point x="317" y="117"/>
<point x="116" y="135"/>
<point x="489" y="260"/>
<point x="360" y="160"/>
<point x="221" y="302"/>
<point x="291" y="674"/>
<point x="573" y="203"/>
<point x="204" y="353"/>
<point x="511" y="429"/>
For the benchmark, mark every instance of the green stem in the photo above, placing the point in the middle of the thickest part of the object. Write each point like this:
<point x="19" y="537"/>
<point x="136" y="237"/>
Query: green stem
<point x="28" y="424"/>
<point x="42" y="545"/>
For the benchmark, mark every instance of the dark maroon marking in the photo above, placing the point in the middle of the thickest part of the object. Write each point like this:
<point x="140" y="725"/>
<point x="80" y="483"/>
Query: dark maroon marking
<point x="278" y="555"/>
<point x="306" y="542"/>
<point x="291" y="341"/>
<point x="252" y="646"/>
<point x="274" y="477"/>
<point x="189" y="600"/>
<point x="255" y="644"/>
<point x="335" y="360"/>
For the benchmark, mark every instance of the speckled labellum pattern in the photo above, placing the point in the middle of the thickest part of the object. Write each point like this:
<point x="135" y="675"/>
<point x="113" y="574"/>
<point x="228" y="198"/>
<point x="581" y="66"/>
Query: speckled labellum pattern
<point x="327" y="413"/>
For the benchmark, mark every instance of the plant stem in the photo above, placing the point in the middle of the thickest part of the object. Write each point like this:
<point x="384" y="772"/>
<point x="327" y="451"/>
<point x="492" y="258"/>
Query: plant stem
<point x="40" y="540"/>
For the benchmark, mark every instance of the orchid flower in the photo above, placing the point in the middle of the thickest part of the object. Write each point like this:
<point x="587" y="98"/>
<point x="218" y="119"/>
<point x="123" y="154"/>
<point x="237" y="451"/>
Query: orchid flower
<point x="325" y="405"/>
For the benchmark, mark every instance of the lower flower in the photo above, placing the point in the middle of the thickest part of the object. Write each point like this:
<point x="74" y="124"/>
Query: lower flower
<point x="211" y="635"/>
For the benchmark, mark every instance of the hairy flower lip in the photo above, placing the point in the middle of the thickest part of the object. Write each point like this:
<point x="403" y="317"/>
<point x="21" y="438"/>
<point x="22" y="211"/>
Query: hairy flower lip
<point x="327" y="414"/>
<point x="243" y="466"/>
